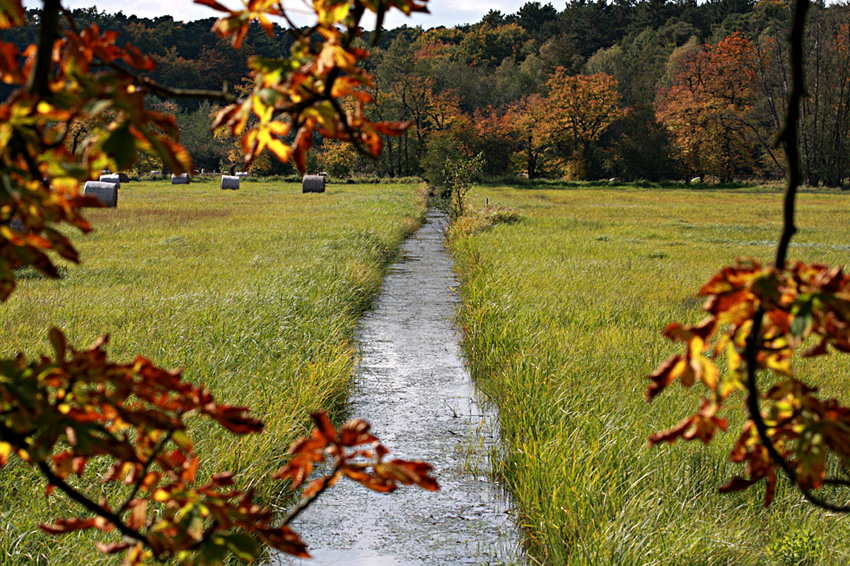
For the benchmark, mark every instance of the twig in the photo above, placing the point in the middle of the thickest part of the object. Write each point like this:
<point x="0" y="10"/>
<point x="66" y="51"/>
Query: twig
<point x="307" y="501"/>
<point x="48" y="33"/>
<point x="17" y="439"/>
<point x="90" y="505"/>
<point x="157" y="449"/>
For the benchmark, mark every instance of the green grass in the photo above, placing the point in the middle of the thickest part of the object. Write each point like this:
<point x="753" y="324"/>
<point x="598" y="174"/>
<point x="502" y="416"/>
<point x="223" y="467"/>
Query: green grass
<point x="255" y="293"/>
<point x="562" y="314"/>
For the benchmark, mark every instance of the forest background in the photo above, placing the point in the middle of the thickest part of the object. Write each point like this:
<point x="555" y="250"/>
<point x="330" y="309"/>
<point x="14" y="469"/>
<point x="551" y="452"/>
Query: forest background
<point x="630" y="90"/>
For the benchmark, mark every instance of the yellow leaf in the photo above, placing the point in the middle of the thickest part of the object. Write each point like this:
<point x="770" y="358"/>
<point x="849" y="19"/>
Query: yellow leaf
<point x="5" y="450"/>
<point x="280" y="149"/>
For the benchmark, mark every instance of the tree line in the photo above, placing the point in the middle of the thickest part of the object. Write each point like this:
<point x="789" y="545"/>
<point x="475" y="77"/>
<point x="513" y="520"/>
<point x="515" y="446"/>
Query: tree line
<point x="650" y="90"/>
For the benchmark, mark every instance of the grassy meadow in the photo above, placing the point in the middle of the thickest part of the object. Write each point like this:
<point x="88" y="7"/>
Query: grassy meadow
<point x="562" y="313"/>
<point x="255" y="293"/>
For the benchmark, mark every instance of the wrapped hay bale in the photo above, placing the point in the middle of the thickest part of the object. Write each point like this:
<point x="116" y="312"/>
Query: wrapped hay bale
<point x="313" y="184"/>
<point x="182" y="179"/>
<point x="229" y="182"/>
<point x="241" y="173"/>
<point x="107" y="193"/>
<point x="156" y="173"/>
<point x="112" y="178"/>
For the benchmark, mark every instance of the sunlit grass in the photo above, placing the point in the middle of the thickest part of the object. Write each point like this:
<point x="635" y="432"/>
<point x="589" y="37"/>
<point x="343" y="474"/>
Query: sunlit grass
<point x="255" y="293"/>
<point x="562" y="314"/>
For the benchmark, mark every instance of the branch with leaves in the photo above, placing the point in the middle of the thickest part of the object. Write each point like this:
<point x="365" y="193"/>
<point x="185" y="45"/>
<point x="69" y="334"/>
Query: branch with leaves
<point x="758" y="318"/>
<point x="62" y="412"/>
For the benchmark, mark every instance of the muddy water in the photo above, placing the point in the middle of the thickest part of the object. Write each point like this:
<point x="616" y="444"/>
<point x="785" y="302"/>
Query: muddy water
<point x="414" y="389"/>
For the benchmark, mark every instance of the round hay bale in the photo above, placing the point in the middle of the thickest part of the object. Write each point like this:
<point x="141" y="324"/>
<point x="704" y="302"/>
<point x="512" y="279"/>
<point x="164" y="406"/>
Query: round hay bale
<point x="181" y="179"/>
<point x="123" y="177"/>
<point x="241" y="173"/>
<point x="111" y="178"/>
<point x="107" y="193"/>
<point x="229" y="182"/>
<point x="313" y="184"/>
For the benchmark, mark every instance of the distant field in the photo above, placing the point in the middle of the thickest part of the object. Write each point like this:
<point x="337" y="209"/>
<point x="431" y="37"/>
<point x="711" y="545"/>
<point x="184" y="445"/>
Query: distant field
<point x="563" y="313"/>
<point x="255" y="293"/>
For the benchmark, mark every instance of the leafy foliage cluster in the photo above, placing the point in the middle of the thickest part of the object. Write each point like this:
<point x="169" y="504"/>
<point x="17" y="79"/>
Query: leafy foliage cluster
<point x="759" y="317"/>
<point x="61" y="413"/>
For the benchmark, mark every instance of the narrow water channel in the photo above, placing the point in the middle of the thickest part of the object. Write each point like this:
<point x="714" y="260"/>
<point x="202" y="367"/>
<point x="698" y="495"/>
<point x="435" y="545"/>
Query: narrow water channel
<point x="413" y="387"/>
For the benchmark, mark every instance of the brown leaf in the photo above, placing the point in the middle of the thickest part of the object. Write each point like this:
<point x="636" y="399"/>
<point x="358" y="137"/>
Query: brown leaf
<point x="62" y="526"/>
<point x="664" y="375"/>
<point x="354" y="432"/>
<point x="112" y="547"/>
<point x="737" y="483"/>
<point x="670" y="435"/>
<point x="324" y="426"/>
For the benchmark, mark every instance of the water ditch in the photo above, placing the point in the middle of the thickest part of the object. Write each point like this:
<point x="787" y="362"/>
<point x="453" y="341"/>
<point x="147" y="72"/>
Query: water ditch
<point x="413" y="387"/>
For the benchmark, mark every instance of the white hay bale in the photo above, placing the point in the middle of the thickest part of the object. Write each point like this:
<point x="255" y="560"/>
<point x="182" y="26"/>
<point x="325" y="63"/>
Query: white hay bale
<point x="113" y="178"/>
<point x="229" y="182"/>
<point x="156" y="173"/>
<point x="181" y="179"/>
<point x="696" y="180"/>
<point x="107" y="193"/>
<point x="313" y="184"/>
<point x="241" y="173"/>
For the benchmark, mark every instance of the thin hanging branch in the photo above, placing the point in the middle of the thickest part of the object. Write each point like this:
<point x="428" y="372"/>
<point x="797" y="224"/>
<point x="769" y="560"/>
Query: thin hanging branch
<point x="789" y="137"/>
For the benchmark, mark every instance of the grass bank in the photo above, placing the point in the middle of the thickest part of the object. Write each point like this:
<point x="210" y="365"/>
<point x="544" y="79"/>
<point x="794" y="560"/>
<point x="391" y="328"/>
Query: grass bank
<point x="562" y="314"/>
<point x="255" y="293"/>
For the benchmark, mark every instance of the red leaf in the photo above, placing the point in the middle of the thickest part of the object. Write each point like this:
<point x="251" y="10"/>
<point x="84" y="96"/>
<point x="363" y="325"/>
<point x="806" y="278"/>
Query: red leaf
<point x="736" y="484"/>
<point x="324" y="426"/>
<point x="67" y="525"/>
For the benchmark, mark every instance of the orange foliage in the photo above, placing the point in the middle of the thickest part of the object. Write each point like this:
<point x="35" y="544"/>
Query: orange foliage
<point x="706" y="108"/>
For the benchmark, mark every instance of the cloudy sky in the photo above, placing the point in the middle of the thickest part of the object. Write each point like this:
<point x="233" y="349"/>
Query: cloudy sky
<point x="443" y="12"/>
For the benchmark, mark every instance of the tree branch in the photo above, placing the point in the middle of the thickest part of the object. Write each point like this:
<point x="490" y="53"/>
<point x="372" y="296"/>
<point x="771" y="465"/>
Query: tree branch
<point x="19" y="440"/>
<point x="157" y="449"/>
<point x="48" y="33"/>
<point x="788" y="136"/>
<point x="306" y="502"/>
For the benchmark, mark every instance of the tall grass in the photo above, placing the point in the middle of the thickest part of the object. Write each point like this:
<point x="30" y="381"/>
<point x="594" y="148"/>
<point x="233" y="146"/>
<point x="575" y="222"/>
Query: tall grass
<point x="562" y="314"/>
<point x="255" y="293"/>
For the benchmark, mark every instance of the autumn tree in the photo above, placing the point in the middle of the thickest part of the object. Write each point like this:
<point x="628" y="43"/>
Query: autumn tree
<point x="582" y="108"/>
<point x="708" y="109"/>
<point x="62" y="412"/>
<point x="529" y="122"/>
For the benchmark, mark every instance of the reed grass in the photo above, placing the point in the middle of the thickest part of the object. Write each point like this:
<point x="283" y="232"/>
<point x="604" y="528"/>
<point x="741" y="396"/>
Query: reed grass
<point x="561" y="316"/>
<point x="255" y="293"/>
